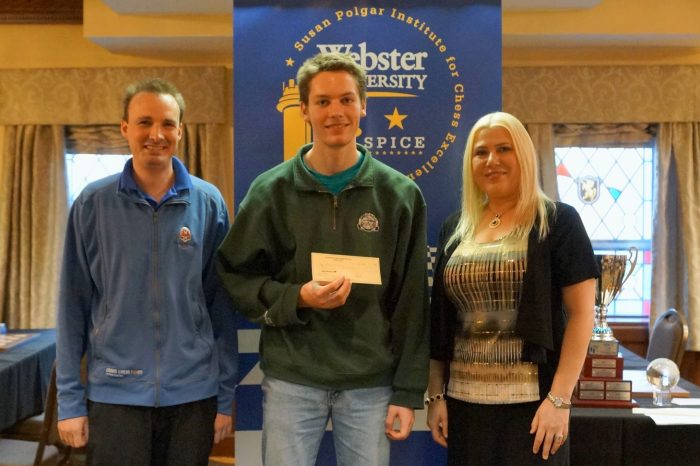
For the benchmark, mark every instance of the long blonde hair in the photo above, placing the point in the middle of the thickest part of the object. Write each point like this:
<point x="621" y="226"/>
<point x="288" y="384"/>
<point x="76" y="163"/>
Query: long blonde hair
<point x="532" y="204"/>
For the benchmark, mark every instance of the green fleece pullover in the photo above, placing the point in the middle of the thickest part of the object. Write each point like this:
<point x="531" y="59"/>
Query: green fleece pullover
<point x="380" y="336"/>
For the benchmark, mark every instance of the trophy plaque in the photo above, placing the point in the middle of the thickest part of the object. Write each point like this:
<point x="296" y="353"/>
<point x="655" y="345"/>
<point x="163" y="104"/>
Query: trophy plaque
<point x="600" y="383"/>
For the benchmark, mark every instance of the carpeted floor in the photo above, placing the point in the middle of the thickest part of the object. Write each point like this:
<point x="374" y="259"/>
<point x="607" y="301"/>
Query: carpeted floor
<point x="20" y="453"/>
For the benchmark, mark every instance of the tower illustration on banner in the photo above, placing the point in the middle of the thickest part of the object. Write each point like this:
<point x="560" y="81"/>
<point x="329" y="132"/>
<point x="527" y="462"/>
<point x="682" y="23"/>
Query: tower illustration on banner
<point x="296" y="131"/>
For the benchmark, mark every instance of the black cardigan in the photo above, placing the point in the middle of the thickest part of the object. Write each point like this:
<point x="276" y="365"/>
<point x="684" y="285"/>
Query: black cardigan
<point x="563" y="258"/>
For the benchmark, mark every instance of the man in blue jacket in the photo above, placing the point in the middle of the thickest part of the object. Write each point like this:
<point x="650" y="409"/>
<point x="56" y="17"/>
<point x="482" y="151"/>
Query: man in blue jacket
<point x="141" y="302"/>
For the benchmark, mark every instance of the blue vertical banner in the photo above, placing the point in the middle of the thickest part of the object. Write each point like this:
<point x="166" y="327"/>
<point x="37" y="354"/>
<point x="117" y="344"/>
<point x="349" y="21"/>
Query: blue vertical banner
<point x="432" y="71"/>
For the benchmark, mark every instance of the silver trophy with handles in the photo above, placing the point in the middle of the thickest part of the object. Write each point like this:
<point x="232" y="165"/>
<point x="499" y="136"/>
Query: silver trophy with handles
<point x="601" y="381"/>
<point x="613" y="275"/>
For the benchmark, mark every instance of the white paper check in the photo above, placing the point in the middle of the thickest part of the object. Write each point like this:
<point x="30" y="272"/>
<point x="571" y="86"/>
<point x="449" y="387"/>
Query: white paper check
<point x="359" y="269"/>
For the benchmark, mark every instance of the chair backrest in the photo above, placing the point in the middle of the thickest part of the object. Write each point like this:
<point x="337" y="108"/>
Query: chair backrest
<point x="49" y="432"/>
<point x="668" y="337"/>
<point x="43" y="428"/>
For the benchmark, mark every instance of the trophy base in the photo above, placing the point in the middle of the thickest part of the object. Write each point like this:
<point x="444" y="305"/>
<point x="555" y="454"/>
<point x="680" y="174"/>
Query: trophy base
<point x="603" y="366"/>
<point x="603" y="347"/>
<point x="603" y="392"/>
<point x="662" y="398"/>
<point x="603" y="403"/>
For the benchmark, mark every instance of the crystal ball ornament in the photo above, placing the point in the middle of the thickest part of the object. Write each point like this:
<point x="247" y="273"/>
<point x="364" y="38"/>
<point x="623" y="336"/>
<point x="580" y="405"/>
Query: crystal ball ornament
<point x="663" y="375"/>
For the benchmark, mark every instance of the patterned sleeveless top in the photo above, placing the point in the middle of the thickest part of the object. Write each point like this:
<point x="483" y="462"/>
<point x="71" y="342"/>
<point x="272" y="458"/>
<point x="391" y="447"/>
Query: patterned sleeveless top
<point x="483" y="281"/>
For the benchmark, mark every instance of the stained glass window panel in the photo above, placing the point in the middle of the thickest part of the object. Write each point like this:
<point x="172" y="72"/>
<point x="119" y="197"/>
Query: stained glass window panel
<point x="612" y="189"/>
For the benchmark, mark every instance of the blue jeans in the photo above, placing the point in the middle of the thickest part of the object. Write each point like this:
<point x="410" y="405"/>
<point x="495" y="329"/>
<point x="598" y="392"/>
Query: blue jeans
<point x="295" y="418"/>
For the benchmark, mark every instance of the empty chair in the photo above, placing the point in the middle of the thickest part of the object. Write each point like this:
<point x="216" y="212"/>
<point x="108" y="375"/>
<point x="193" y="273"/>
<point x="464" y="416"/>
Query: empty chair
<point x="42" y="428"/>
<point x="668" y="337"/>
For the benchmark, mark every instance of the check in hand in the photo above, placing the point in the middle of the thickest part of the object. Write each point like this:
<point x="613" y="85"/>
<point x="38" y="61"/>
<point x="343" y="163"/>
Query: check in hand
<point x="329" y="295"/>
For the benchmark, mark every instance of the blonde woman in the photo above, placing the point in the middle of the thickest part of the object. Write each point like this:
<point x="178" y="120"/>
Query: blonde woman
<point x="512" y="309"/>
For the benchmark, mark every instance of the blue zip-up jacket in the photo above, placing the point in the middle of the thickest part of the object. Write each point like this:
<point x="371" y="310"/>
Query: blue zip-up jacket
<point x="141" y="299"/>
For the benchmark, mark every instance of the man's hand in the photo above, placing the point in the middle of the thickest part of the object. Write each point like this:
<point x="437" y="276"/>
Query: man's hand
<point x="325" y="296"/>
<point x="405" y="418"/>
<point x="74" y="431"/>
<point x="223" y="426"/>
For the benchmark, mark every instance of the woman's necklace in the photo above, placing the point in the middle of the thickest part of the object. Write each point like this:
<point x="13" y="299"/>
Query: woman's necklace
<point x="495" y="221"/>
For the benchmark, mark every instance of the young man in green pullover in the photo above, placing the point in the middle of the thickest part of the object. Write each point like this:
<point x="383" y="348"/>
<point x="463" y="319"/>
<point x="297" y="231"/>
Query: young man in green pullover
<point x="357" y="354"/>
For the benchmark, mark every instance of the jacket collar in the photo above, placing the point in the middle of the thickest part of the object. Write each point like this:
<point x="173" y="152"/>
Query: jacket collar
<point x="304" y="181"/>
<point x="182" y="185"/>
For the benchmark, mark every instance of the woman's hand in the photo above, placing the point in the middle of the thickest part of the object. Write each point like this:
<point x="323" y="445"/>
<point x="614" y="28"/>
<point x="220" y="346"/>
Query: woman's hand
<point x="551" y="428"/>
<point x="437" y="421"/>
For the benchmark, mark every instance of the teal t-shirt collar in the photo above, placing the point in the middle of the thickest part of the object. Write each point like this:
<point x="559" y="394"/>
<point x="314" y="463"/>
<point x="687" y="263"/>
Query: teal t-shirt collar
<point x="337" y="182"/>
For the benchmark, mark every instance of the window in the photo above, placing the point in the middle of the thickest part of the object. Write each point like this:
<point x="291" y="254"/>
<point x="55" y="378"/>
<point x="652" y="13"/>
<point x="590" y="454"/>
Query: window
<point x="613" y="190"/>
<point x="82" y="169"/>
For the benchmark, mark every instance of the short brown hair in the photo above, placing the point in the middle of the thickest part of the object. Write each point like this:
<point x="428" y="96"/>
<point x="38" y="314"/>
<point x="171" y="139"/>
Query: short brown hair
<point x="330" y="61"/>
<point x="152" y="86"/>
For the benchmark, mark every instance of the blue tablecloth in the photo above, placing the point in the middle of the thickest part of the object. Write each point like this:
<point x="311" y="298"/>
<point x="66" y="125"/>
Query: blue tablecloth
<point x="25" y="371"/>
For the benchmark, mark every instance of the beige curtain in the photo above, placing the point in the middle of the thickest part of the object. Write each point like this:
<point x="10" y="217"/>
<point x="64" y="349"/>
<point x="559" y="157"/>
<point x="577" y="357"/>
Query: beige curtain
<point x="602" y="94"/>
<point x="95" y="139"/>
<point x="33" y="210"/>
<point x="677" y="228"/>
<point x="542" y="137"/>
<point x="604" y="135"/>
<point x="206" y="150"/>
<point x="93" y="96"/>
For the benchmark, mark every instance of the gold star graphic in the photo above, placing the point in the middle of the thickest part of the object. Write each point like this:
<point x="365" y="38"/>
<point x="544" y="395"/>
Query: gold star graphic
<point x="395" y="119"/>
<point x="290" y="61"/>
